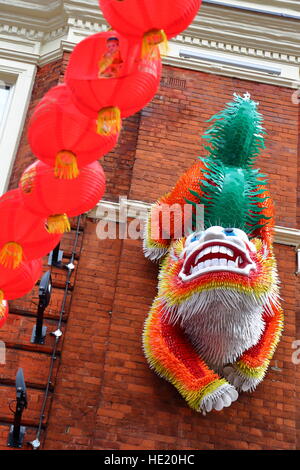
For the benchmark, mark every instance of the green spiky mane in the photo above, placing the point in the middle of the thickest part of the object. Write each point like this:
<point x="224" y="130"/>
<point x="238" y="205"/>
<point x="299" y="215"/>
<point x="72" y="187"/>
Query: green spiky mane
<point x="230" y="187"/>
<point x="236" y="138"/>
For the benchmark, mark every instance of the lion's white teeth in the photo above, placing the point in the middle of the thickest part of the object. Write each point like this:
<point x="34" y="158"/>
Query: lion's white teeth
<point x="221" y="258"/>
<point x="199" y="257"/>
<point x="213" y="249"/>
<point x="217" y="257"/>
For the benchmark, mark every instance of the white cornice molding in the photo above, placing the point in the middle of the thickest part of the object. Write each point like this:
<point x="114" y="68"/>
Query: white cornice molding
<point x="287" y="236"/>
<point x="276" y="7"/>
<point x="234" y="71"/>
<point x="222" y="42"/>
<point x="110" y="211"/>
<point x="39" y="31"/>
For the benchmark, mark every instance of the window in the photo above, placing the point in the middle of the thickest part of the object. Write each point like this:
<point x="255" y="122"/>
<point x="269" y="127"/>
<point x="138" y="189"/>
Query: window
<point x="5" y="94"/>
<point x="16" y="82"/>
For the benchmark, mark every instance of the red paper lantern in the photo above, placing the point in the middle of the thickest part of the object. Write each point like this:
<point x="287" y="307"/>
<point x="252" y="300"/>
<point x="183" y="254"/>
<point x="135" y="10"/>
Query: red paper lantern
<point x="154" y="21"/>
<point x="3" y="312"/>
<point x="61" y="136"/>
<point x="23" y="235"/>
<point x="15" y="283"/>
<point x="109" y="81"/>
<point x="57" y="199"/>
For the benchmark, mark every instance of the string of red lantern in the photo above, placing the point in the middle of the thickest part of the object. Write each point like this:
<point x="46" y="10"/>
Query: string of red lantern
<point x="110" y="76"/>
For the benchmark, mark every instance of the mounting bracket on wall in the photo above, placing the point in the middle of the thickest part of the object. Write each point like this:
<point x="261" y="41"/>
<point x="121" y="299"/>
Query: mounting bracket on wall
<point x="17" y="432"/>
<point x="55" y="257"/>
<point x="39" y="331"/>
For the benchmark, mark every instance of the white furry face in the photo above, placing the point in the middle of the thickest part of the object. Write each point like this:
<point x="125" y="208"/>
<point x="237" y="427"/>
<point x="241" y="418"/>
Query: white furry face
<point x="216" y="285"/>
<point x="246" y="282"/>
<point x="217" y="249"/>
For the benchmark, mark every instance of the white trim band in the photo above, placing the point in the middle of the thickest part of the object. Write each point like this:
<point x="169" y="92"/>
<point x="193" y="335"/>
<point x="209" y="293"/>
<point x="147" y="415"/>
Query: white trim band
<point x="238" y="38"/>
<point x="111" y="211"/>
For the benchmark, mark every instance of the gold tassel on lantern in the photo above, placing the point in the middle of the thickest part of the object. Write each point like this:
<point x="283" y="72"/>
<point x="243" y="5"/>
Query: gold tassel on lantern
<point x="109" y="121"/>
<point x="11" y="255"/>
<point x="66" y="165"/>
<point x="155" y="37"/>
<point x="2" y="305"/>
<point x="27" y="181"/>
<point x="58" y="224"/>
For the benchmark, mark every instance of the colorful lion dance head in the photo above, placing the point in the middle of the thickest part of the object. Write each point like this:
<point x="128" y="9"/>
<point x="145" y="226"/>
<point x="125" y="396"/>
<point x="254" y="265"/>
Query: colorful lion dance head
<point x="216" y="320"/>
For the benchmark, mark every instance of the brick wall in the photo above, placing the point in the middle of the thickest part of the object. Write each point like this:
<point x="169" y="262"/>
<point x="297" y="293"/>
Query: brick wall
<point x="103" y="394"/>
<point x="126" y="405"/>
<point x="297" y="310"/>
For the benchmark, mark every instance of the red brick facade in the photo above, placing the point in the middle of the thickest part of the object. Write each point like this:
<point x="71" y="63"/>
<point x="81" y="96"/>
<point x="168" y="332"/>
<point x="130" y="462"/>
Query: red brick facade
<point x="103" y="395"/>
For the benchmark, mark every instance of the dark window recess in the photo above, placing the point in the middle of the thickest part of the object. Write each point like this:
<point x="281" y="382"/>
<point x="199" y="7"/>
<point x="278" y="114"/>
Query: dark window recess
<point x="171" y="82"/>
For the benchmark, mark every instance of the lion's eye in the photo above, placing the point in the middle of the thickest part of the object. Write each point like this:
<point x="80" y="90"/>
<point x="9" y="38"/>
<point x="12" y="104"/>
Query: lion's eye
<point x="229" y="232"/>
<point x="194" y="238"/>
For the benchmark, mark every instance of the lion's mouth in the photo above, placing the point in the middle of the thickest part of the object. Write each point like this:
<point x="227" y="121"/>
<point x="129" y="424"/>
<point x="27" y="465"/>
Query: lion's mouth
<point x="216" y="256"/>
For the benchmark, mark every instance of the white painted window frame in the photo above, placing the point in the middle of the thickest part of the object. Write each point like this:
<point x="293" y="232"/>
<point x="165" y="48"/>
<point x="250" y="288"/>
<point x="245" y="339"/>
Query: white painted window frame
<point x="21" y="76"/>
<point x="4" y="111"/>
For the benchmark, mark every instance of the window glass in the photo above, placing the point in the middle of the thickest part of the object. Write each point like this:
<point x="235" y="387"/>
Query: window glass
<point x="4" y="102"/>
